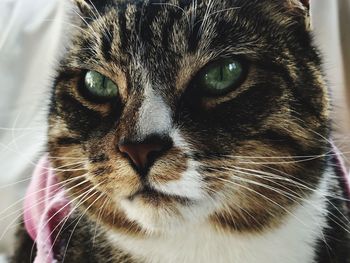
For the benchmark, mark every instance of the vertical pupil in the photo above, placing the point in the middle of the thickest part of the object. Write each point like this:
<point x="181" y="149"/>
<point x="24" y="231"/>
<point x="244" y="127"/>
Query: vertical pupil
<point x="222" y="76"/>
<point x="221" y="73"/>
<point x="103" y="83"/>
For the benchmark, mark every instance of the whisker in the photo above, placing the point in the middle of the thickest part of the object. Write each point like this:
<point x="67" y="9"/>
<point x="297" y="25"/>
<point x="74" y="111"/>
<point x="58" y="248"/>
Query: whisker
<point x="83" y="195"/>
<point x="290" y="196"/>
<point x="59" y="184"/>
<point x="275" y="203"/>
<point x="19" y="216"/>
<point x="98" y="219"/>
<point x="71" y="235"/>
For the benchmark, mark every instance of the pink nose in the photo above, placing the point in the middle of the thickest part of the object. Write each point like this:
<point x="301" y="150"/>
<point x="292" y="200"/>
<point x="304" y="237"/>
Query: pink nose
<point x="143" y="154"/>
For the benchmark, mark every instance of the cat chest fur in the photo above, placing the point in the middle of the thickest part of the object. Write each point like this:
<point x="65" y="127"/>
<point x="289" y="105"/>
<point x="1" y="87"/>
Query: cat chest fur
<point x="292" y="242"/>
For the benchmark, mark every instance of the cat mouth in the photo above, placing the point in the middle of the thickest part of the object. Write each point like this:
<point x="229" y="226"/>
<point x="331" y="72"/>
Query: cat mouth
<point x="151" y="194"/>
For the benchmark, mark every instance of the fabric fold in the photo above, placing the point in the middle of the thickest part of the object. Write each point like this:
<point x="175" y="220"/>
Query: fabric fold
<point x="45" y="208"/>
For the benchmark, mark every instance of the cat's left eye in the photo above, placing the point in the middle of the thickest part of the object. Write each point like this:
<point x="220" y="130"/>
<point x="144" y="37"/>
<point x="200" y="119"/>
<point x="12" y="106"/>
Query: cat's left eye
<point x="220" y="77"/>
<point x="100" y="86"/>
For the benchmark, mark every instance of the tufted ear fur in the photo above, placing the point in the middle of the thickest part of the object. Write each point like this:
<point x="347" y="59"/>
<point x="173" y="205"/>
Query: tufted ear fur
<point x="304" y="4"/>
<point x="91" y="7"/>
<point x="301" y="7"/>
<point x="82" y="5"/>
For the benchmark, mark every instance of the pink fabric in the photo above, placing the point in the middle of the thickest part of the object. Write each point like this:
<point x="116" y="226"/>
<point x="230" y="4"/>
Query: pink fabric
<point x="45" y="206"/>
<point x="342" y="167"/>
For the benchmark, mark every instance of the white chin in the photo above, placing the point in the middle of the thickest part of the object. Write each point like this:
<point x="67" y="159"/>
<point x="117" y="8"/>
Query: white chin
<point x="151" y="217"/>
<point x="163" y="218"/>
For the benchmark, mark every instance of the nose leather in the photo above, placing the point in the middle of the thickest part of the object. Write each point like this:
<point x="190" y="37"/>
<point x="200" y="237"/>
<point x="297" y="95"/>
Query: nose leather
<point x="141" y="154"/>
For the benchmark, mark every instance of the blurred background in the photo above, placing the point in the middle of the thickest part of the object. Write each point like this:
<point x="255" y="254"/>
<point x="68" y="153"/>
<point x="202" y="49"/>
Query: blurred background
<point x="31" y="33"/>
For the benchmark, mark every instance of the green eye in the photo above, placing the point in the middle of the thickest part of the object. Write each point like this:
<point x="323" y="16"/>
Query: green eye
<point x="100" y="86"/>
<point x="221" y="77"/>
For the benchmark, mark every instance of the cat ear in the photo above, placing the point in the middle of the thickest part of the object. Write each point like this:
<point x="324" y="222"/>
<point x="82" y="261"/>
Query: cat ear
<point x="303" y="7"/>
<point x="83" y="6"/>
<point x="88" y="7"/>
<point x="304" y="4"/>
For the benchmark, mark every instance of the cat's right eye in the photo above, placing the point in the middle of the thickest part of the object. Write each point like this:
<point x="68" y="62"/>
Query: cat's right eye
<point x="100" y="86"/>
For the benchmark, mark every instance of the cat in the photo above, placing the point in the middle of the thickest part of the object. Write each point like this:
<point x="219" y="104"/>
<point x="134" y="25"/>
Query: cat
<point x="194" y="131"/>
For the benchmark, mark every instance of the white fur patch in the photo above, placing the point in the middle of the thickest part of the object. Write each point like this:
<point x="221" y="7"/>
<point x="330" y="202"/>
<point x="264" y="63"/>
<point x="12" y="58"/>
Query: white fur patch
<point x="179" y="141"/>
<point x="154" y="114"/>
<point x="189" y="185"/>
<point x="292" y="242"/>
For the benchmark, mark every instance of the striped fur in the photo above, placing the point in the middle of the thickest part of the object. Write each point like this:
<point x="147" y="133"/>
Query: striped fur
<point x="240" y="164"/>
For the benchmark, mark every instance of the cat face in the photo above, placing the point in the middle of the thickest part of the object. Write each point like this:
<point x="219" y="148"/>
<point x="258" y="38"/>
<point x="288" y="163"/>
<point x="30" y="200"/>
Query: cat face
<point x="167" y="113"/>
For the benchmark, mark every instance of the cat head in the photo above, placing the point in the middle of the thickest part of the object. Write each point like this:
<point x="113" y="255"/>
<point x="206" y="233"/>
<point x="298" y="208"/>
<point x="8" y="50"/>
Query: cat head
<point x="167" y="113"/>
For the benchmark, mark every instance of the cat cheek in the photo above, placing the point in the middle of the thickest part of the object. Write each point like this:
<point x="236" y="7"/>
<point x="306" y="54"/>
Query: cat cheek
<point x="189" y="185"/>
<point x="184" y="180"/>
<point x="118" y="180"/>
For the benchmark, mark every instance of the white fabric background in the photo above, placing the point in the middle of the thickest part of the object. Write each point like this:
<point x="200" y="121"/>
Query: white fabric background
<point x="331" y="22"/>
<point x="30" y="31"/>
<point x="29" y="34"/>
